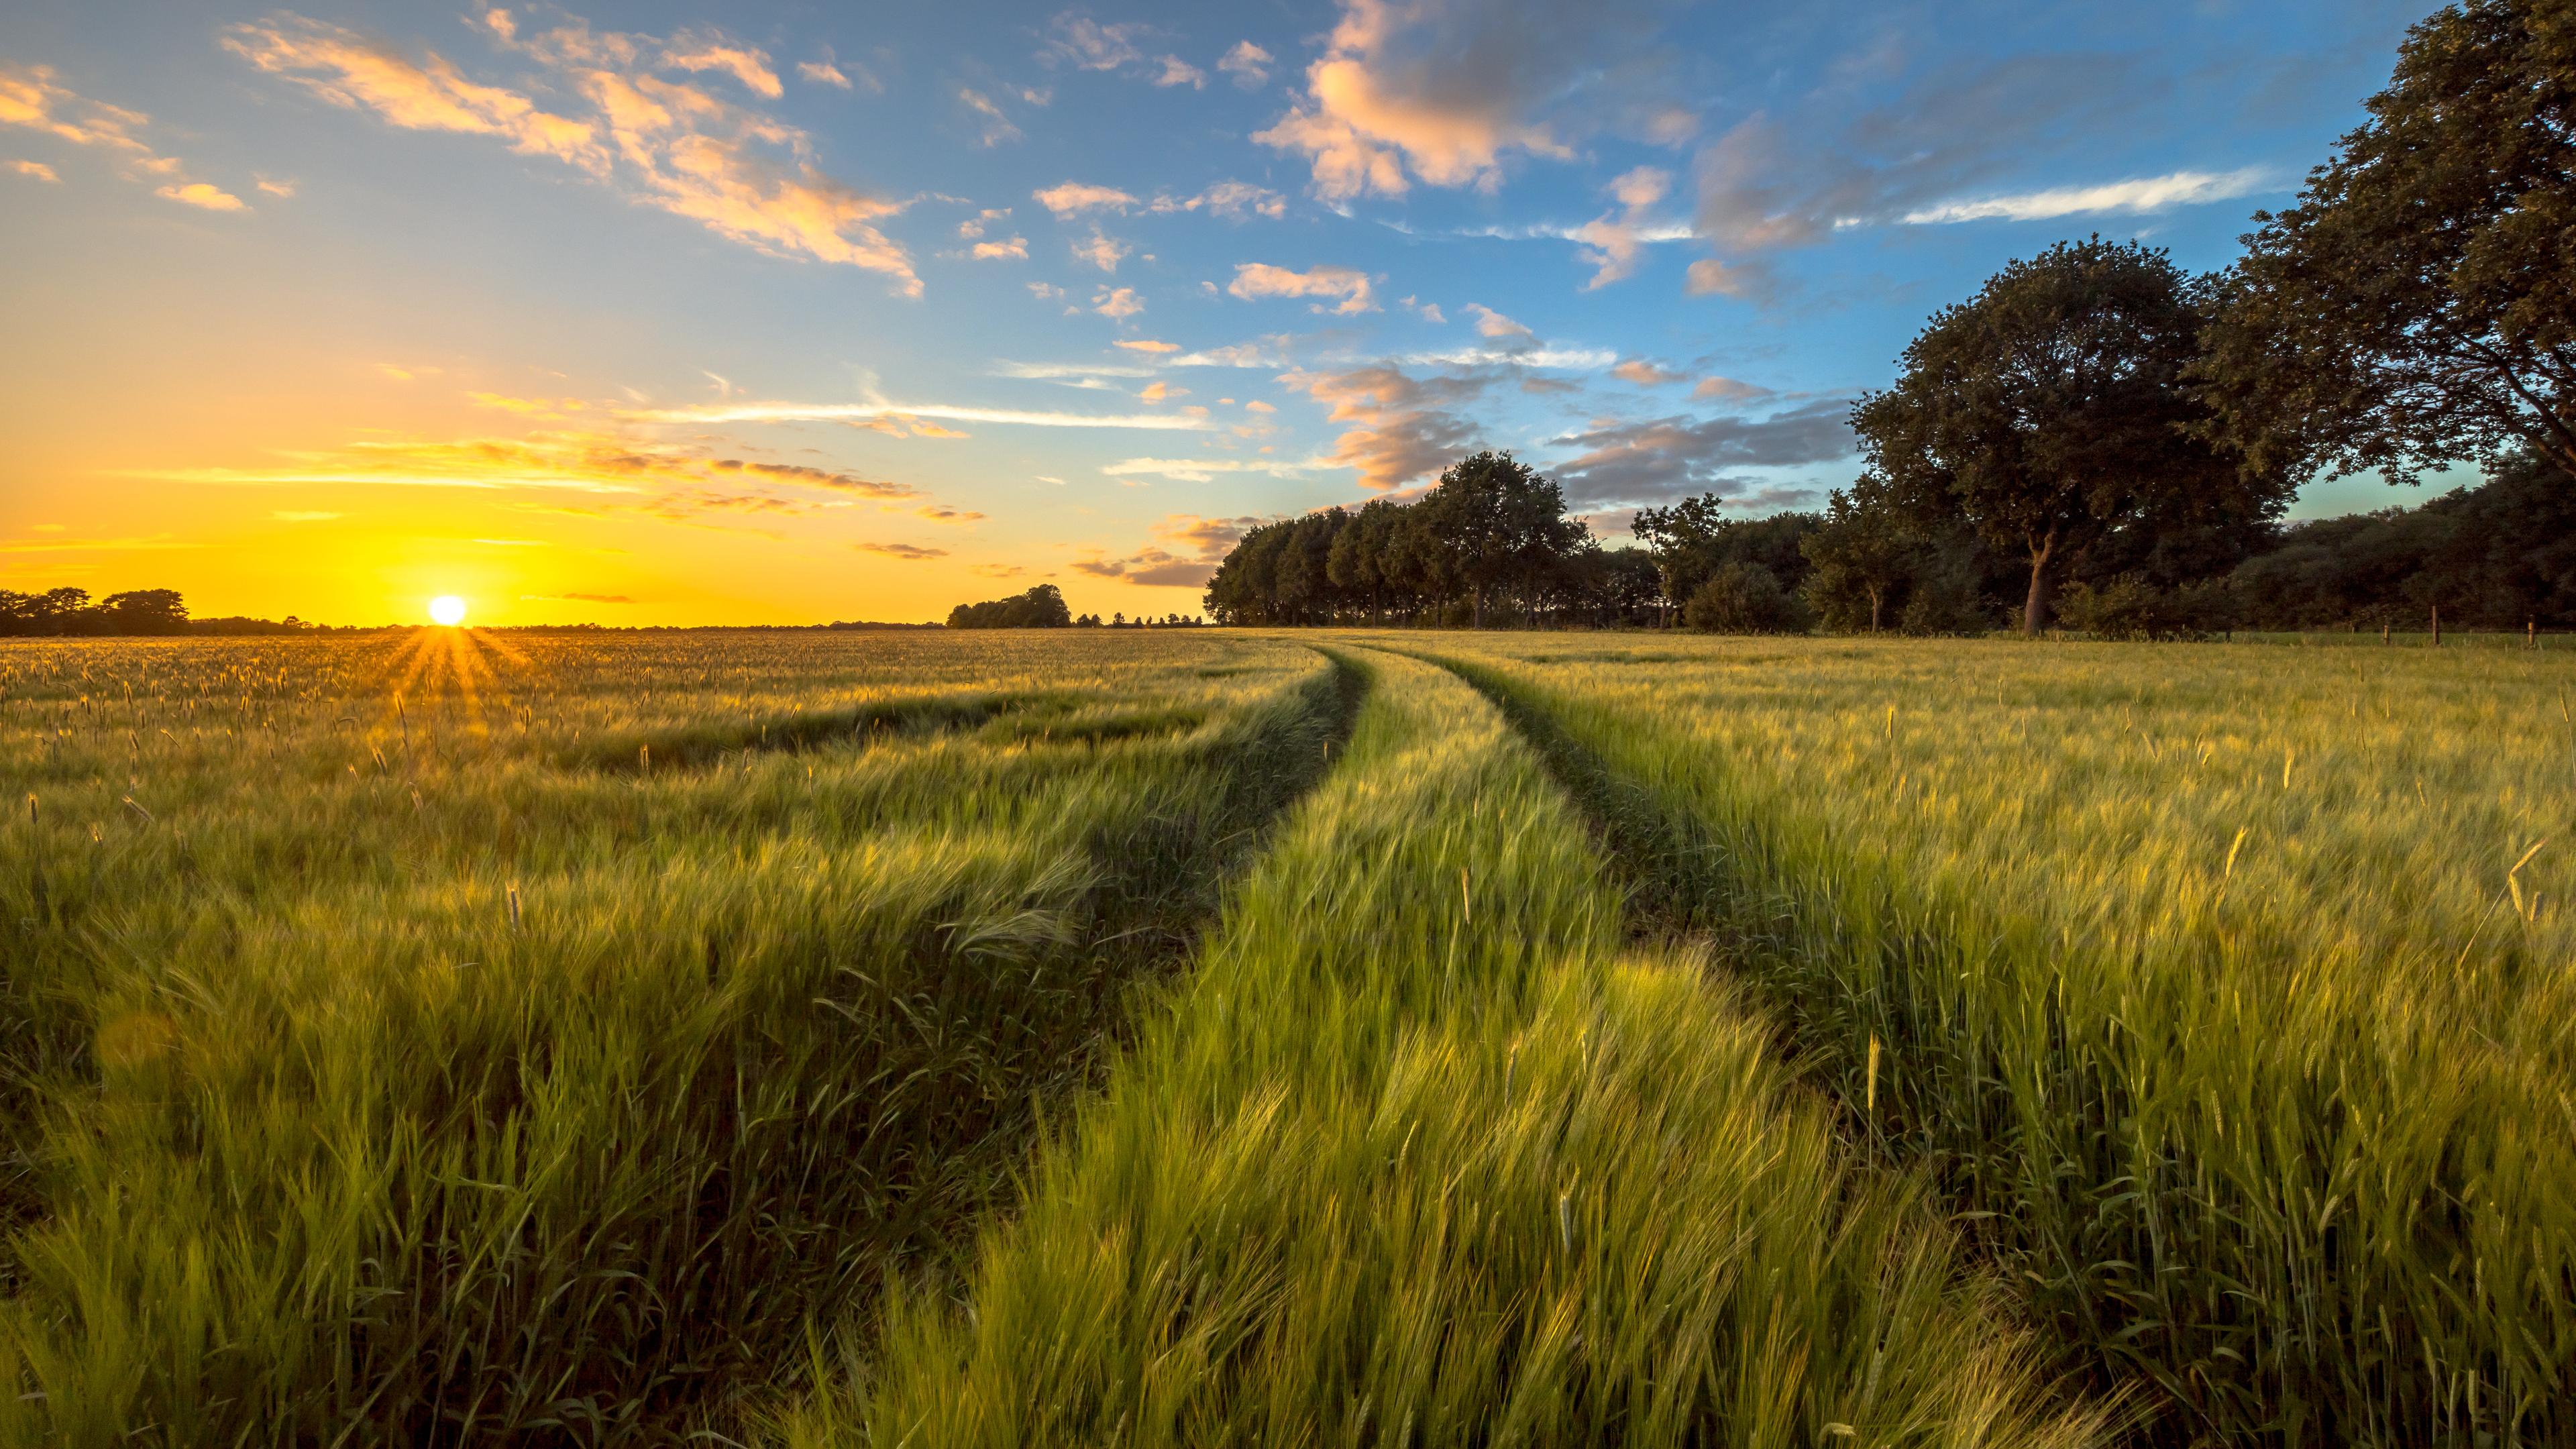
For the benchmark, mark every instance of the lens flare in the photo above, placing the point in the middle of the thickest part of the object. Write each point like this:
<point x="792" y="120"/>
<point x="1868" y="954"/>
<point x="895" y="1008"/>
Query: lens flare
<point x="447" y="609"/>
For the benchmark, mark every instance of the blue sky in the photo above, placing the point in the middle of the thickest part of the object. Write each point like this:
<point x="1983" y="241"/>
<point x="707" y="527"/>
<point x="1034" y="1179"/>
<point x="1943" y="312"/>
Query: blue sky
<point x="776" y="313"/>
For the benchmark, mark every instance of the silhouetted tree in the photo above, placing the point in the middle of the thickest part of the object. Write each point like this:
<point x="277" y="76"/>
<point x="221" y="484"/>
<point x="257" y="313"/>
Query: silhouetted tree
<point x="1042" y="607"/>
<point x="2418" y="305"/>
<point x="2050" y="410"/>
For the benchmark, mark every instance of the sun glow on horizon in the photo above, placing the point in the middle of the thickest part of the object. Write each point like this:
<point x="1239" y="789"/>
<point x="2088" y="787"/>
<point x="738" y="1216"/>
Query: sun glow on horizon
<point x="447" y="609"/>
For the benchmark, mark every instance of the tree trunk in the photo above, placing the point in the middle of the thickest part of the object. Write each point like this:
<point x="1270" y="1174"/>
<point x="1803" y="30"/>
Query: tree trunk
<point x="2034" y="610"/>
<point x="1874" y="596"/>
<point x="1476" y="615"/>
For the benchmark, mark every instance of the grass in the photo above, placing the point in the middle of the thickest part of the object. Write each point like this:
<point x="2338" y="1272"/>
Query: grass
<point x="1201" y="1037"/>
<point x="1415" y="1156"/>
<point x="454" y="1093"/>
<point x="2232" y="983"/>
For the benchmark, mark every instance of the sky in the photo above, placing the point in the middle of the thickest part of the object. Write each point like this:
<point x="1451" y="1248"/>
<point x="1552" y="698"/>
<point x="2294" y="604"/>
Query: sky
<point x="786" y="313"/>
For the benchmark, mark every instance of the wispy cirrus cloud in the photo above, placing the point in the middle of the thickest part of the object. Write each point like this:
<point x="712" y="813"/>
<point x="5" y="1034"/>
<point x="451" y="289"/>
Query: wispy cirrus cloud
<point x="2117" y="198"/>
<point x="1204" y="470"/>
<point x="560" y="461"/>
<point x="669" y="143"/>
<point x="1087" y="44"/>
<point x="1072" y="198"/>
<point x="33" y="98"/>
<point x="798" y="412"/>
<point x="909" y="552"/>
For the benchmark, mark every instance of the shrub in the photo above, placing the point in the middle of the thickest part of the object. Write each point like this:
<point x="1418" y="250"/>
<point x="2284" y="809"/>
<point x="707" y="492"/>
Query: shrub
<point x="1746" y="598"/>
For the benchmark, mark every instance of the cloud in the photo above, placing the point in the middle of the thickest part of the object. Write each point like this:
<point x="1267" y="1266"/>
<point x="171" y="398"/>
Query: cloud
<point x="824" y="73"/>
<point x="1009" y="248"/>
<point x="1254" y="280"/>
<point x="156" y="543"/>
<point x="1727" y="389"/>
<point x="1147" y="344"/>
<point x="668" y="480"/>
<point x="2148" y="194"/>
<point x="1248" y="63"/>
<point x="908" y="551"/>
<point x="942" y="513"/>
<point x="1490" y="323"/>
<point x="30" y="97"/>
<point x="1710" y="277"/>
<point x="1233" y="200"/>
<point x="276" y="188"/>
<point x="1614" y="243"/>
<point x="1102" y="251"/>
<point x="1087" y="44"/>
<point x="1643" y="373"/>
<point x="1402" y="428"/>
<point x="745" y="63"/>
<point x="1443" y="91"/>
<point x="794" y="412"/>
<point x="1155" y="392"/>
<point x="1773" y="182"/>
<point x="582" y="598"/>
<point x="1118" y="304"/>
<point x="1204" y="470"/>
<point x="1090" y="45"/>
<point x="1579" y="359"/>
<point x="1203" y="544"/>
<point x="1638" y="462"/>
<point x="993" y="122"/>
<point x="740" y="173"/>
<point x="1071" y="198"/>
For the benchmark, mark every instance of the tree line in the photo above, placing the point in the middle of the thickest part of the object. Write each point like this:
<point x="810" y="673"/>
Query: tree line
<point x="1488" y="545"/>
<point x="136" y="613"/>
<point x="1043" y="607"/>
<point x="2098" y="435"/>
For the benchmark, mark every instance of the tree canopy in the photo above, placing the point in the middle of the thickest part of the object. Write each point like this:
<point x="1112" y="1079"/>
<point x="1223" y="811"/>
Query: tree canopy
<point x="2418" y="305"/>
<point x="1491" y="538"/>
<point x="1042" y="607"/>
<point x="2050" y="410"/>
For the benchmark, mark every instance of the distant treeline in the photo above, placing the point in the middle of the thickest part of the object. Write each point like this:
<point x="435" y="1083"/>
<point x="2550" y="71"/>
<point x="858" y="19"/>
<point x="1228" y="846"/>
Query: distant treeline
<point x="70" y="613"/>
<point x="1043" y="607"/>
<point x="2498" y="556"/>
<point x="1489" y="545"/>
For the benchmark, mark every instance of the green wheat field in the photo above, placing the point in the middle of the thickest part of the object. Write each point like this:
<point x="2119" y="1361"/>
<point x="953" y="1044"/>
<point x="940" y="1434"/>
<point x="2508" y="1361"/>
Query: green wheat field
<point x="1331" y="1038"/>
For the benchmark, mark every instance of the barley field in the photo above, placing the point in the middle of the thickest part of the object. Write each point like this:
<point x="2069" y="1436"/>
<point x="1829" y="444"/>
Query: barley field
<point x="1199" y="1037"/>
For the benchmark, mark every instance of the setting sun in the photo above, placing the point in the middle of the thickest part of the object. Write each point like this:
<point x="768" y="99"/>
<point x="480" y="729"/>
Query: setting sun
<point x="447" y="609"/>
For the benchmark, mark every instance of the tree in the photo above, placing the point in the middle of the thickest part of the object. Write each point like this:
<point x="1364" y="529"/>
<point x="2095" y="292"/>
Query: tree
<point x="1864" y="549"/>
<point x="2418" y="305"/>
<point x="146" y="611"/>
<point x="1042" y="607"/>
<point x="2051" y="408"/>
<point x="1745" y="598"/>
<point x="1496" y="520"/>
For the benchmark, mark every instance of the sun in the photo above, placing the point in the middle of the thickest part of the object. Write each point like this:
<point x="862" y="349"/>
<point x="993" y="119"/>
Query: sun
<point x="447" y="609"/>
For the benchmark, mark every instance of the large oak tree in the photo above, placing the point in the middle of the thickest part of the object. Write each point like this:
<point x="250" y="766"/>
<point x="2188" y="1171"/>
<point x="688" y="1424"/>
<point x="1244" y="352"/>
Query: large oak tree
<point x="2050" y="409"/>
<point x="2418" y="306"/>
